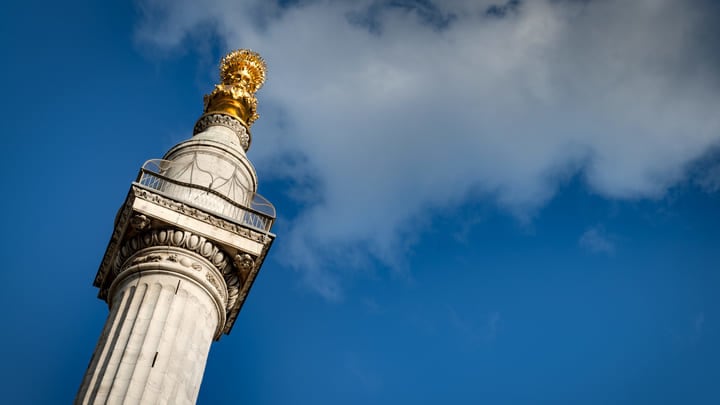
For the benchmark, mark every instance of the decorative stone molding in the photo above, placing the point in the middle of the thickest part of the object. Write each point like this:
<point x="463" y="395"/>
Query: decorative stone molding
<point x="170" y="257"/>
<point x="248" y="282"/>
<point x="184" y="240"/>
<point x="200" y="215"/>
<point x="244" y="262"/>
<point x="139" y="222"/>
<point x="133" y="223"/>
<point x="121" y="222"/>
<point x="181" y="262"/>
<point x="224" y="120"/>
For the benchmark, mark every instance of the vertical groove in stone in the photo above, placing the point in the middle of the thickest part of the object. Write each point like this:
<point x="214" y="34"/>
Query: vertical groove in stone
<point x="102" y="387"/>
<point x="103" y="348"/>
<point x="192" y="387"/>
<point x="202" y="338"/>
<point x="152" y="314"/>
<point x="175" y="360"/>
<point x="159" y="378"/>
<point x="143" y="366"/>
<point x="193" y="358"/>
<point x="131" y="354"/>
<point x="187" y="358"/>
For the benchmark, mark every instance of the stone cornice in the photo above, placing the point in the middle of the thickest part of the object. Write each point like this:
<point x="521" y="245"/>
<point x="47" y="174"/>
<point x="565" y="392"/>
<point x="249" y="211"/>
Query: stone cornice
<point x="137" y="228"/>
<point x="245" y="290"/>
<point x="199" y="214"/>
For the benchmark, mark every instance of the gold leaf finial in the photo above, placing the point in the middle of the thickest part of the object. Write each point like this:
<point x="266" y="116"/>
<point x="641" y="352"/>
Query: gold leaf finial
<point x="242" y="73"/>
<point x="243" y="66"/>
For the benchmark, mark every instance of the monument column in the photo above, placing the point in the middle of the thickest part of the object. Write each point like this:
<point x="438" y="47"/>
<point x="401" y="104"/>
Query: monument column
<point x="186" y="248"/>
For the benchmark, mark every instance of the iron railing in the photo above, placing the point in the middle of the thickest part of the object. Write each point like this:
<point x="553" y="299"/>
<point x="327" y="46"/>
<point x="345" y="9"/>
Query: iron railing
<point x="260" y="215"/>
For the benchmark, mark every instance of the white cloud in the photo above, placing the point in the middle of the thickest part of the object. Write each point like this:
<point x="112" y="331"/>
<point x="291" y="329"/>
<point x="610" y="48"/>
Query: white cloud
<point x="709" y="178"/>
<point x="436" y="104"/>
<point x="596" y="240"/>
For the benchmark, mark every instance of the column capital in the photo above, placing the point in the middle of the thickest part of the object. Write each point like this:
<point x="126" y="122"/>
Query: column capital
<point x="148" y="218"/>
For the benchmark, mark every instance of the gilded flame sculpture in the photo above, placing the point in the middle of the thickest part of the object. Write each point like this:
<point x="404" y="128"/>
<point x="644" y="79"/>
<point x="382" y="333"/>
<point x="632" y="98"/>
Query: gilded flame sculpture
<point x="242" y="73"/>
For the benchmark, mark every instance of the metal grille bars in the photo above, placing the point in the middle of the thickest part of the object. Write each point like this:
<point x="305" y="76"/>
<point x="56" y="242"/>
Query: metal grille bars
<point x="260" y="215"/>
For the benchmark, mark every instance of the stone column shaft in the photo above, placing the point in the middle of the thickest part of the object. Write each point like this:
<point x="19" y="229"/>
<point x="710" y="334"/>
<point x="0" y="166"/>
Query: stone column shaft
<point x="155" y="343"/>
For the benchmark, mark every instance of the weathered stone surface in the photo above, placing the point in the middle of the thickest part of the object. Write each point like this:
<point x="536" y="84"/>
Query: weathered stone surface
<point x="160" y="326"/>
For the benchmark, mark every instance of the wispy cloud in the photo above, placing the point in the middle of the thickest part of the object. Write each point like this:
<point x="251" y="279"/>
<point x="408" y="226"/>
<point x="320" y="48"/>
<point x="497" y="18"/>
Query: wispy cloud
<point x="596" y="240"/>
<point x="427" y="104"/>
<point x="361" y="373"/>
<point x="709" y="178"/>
<point x="476" y="330"/>
<point x="372" y="306"/>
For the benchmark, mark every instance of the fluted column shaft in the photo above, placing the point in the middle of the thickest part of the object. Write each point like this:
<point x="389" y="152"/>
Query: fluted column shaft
<point x="154" y="346"/>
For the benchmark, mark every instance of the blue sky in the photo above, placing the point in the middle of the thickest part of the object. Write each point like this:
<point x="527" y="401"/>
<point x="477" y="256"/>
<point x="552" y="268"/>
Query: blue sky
<point x="479" y="202"/>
